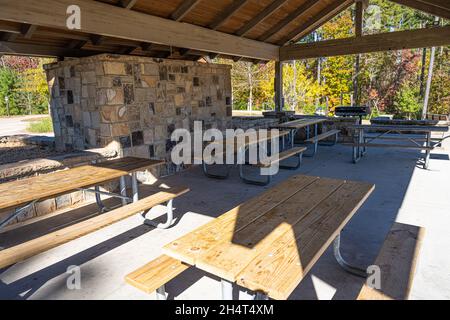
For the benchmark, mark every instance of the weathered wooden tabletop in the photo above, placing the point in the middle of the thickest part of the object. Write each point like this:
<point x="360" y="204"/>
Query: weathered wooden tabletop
<point x="22" y="192"/>
<point x="300" y="123"/>
<point x="270" y="242"/>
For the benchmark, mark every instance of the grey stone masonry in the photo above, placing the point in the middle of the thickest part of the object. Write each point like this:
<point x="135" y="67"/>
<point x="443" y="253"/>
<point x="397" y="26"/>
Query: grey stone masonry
<point x="133" y="104"/>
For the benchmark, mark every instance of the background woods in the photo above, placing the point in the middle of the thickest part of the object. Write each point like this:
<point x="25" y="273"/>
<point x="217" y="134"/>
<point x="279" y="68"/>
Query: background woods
<point x="390" y="82"/>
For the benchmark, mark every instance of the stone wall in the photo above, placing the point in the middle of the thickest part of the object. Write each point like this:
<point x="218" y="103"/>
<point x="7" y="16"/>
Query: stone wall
<point x="255" y="122"/>
<point x="133" y="104"/>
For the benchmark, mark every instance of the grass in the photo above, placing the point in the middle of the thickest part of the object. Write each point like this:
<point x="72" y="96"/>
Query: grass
<point x="42" y="125"/>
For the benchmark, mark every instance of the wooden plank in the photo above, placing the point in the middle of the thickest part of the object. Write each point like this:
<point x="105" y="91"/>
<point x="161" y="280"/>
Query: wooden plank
<point x="107" y="20"/>
<point x="316" y="21"/>
<point x="322" y="136"/>
<point x="440" y="9"/>
<point x="156" y="273"/>
<point x="33" y="247"/>
<point x="260" y="17"/>
<point x="195" y="243"/>
<point x="7" y="47"/>
<point x="278" y="269"/>
<point x="28" y="30"/>
<point x="397" y="262"/>
<point x="21" y="192"/>
<point x="128" y="4"/>
<point x="300" y="123"/>
<point x="283" y="155"/>
<point x="411" y="128"/>
<point x="227" y="13"/>
<point x="232" y="253"/>
<point x="309" y="4"/>
<point x="399" y="40"/>
<point x="385" y="145"/>
<point x="184" y="9"/>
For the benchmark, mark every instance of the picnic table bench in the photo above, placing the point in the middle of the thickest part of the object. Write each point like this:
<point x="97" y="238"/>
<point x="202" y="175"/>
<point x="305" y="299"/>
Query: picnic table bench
<point x="361" y="141"/>
<point x="23" y="193"/>
<point x="397" y="262"/>
<point x="240" y="149"/>
<point x="267" y="244"/>
<point x="306" y="123"/>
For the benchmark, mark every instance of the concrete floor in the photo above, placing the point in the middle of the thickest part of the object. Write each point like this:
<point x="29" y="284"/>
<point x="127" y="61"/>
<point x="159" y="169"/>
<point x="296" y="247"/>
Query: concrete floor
<point x="404" y="192"/>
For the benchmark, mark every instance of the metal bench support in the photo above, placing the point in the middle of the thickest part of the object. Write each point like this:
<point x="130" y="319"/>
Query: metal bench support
<point x="169" y="206"/>
<point x="299" y="161"/>
<point x="227" y="290"/>
<point x="344" y="264"/>
<point x="213" y="175"/>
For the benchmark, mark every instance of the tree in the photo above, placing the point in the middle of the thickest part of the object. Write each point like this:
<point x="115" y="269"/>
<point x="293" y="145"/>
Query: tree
<point x="9" y="84"/>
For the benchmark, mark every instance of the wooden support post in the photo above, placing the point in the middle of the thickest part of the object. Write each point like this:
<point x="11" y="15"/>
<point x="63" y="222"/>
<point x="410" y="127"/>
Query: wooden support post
<point x="278" y="86"/>
<point x="359" y="17"/>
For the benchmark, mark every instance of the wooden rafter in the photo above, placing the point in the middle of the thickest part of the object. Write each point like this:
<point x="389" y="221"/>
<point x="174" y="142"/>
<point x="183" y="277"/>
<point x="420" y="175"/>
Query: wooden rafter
<point x="270" y="9"/>
<point x="315" y="22"/>
<point x="410" y="39"/>
<point x="27" y="30"/>
<point x="128" y="4"/>
<point x="440" y="8"/>
<point x="43" y="51"/>
<point x="112" y="21"/>
<point x="227" y="13"/>
<point x="292" y="16"/>
<point x="185" y="7"/>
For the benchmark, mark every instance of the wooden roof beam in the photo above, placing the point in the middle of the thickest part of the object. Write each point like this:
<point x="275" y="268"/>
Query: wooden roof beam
<point x="291" y="17"/>
<point x="318" y="20"/>
<point x="229" y="11"/>
<point x="127" y="4"/>
<point x="439" y="8"/>
<point x="77" y="44"/>
<point x="42" y="51"/>
<point x="28" y="30"/>
<point x="134" y="26"/>
<point x="399" y="40"/>
<point x="270" y="9"/>
<point x="185" y="7"/>
<point x="96" y="39"/>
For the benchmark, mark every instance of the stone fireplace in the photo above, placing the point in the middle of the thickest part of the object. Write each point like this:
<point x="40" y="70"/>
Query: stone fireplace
<point x="133" y="104"/>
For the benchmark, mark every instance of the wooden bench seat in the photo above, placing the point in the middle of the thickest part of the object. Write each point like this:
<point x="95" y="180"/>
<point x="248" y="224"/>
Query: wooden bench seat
<point x="283" y="156"/>
<point x="397" y="262"/>
<point x="322" y="136"/>
<point x="154" y="275"/>
<point x="385" y="145"/>
<point x="33" y="247"/>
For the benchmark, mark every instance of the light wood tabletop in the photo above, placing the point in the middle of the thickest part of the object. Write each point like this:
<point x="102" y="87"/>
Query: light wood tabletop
<point x="270" y="242"/>
<point x="300" y="123"/>
<point x="21" y="192"/>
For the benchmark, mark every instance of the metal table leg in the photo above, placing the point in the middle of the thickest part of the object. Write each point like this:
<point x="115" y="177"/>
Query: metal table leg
<point x="16" y="213"/>
<point x="227" y="290"/>
<point x="428" y="151"/>
<point x="345" y="265"/>
<point x="161" y="293"/>
<point x="261" y="296"/>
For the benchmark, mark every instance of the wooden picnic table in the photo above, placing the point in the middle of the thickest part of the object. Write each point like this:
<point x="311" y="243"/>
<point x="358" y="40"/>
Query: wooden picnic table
<point x="22" y="193"/>
<point x="361" y="142"/>
<point x="269" y="243"/>
<point x="295" y="125"/>
<point x="239" y="144"/>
